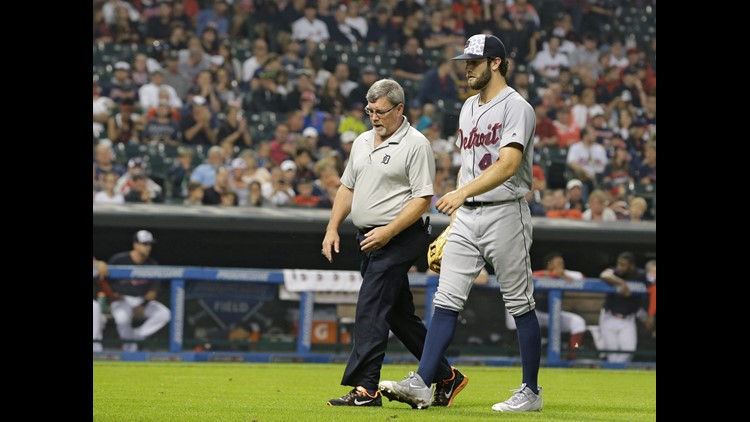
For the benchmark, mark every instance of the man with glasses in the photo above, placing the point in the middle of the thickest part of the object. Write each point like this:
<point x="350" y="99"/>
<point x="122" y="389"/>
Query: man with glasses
<point x="490" y="223"/>
<point x="387" y="186"/>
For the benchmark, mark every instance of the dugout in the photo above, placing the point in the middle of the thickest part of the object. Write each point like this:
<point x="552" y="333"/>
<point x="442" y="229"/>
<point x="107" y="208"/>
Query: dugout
<point x="278" y="238"/>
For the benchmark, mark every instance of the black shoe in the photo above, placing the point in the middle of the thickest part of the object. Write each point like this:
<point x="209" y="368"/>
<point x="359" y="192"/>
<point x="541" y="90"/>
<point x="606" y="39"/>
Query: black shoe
<point x="447" y="390"/>
<point x="358" y="397"/>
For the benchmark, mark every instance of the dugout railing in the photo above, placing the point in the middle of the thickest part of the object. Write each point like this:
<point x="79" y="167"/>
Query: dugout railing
<point x="178" y="276"/>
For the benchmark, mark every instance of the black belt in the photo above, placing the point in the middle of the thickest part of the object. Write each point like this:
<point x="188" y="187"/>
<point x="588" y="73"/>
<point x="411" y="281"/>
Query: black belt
<point x="474" y="204"/>
<point x="618" y="315"/>
<point x="417" y="224"/>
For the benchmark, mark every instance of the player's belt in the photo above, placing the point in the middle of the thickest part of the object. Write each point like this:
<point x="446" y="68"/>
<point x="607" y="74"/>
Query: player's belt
<point x="474" y="204"/>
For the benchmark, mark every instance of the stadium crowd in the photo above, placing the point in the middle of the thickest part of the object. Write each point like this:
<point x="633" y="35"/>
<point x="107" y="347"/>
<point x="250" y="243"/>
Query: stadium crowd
<point x="256" y="102"/>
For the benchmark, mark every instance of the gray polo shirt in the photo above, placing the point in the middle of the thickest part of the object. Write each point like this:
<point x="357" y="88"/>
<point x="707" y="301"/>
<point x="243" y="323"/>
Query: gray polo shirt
<point x="385" y="179"/>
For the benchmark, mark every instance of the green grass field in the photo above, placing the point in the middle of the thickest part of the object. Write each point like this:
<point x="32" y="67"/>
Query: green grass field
<point x="264" y="392"/>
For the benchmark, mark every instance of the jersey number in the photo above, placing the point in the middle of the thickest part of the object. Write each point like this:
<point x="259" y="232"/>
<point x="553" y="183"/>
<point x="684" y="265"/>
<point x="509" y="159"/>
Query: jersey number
<point x="485" y="162"/>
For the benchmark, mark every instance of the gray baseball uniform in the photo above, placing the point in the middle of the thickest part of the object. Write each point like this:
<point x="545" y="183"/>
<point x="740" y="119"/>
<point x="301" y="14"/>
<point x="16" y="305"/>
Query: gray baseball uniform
<point x="493" y="227"/>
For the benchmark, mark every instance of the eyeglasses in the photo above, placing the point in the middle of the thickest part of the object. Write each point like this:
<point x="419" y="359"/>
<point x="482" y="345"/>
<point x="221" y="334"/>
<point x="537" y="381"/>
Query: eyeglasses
<point x="381" y="114"/>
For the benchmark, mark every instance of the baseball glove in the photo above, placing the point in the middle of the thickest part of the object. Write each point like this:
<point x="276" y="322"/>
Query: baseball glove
<point x="435" y="250"/>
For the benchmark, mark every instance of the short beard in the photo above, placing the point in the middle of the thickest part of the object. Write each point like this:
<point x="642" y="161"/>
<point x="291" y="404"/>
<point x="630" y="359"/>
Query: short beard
<point x="482" y="80"/>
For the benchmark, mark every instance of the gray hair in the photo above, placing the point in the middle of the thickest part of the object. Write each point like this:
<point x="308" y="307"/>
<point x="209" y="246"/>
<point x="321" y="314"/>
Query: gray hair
<point x="386" y="88"/>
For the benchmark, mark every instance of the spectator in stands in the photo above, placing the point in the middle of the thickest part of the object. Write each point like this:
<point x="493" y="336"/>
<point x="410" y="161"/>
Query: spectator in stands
<point x="199" y="125"/>
<point x="178" y="36"/>
<point x="282" y="146"/>
<point x="587" y="159"/>
<point x="148" y="94"/>
<point x="304" y="196"/>
<point x="253" y="170"/>
<point x="427" y="119"/>
<point x="637" y="208"/>
<point x="120" y="86"/>
<point x="229" y="198"/>
<point x="616" y="175"/>
<point x="381" y="30"/>
<point x="172" y="76"/>
<point x="545" y="134"/>
<point x="560" y="207"/>
<point x="586" y="55"/>
<point x="568" y="131"/>
<point x="269" y="93"/>
<point x="636" y="95"/>
<point x="136" y="165"/>
<point x="140" y="193"/>
<point x="236" y="181"/>
<point x="329" y="139"/>
<point x="254" y="62"/>
<point x="179" y="174"/>
<point x="522" y="84"/>
<point x="410" y="64"/>
<point x="140" y="70"/>
<point x="194" y="195"/>
<point x="255" y="196"/>
<point x="104" y="163"/>
<point x="212" y="194"/>
<point x="124" y="30"/>
<point x="646" y="173"/>
<point x="205" y="173"/>
<point x="438" y="84"/>
<point x="303" y="160"/>
<point x="162" y="128"/>
<point x="598" y="209"/>
<point x="223" y="89"/>
<point x="574" y="194"/>
<point x="309" y="29"/>
<point x="586" y="107"/>
<point x="354" y="119"/>
<point x="231" y="64"/>
<point x="436" y="34"/>
<point x="277" y="190"/>
<point x="158" y="26"/>
<point x="216" y="18"/>
<point x="368" y="75"/>
<point x="572" y="323"/>
<point x="330" y="99"/>
<point x="204" y="82"/>
<point x="125" y="125"/>
<point x="549" y="61"/>
<point x="234" y="128"/>
<point x="102" y="31"/>
<point x="356" y="17"/>
<point x="617" y="319"/>
<point x="137" y="297"/>
<point x="339" y="30"/>
<point x="108" y="194"/>
<point x="193" y="59"/>
<point x="616" y="55"/>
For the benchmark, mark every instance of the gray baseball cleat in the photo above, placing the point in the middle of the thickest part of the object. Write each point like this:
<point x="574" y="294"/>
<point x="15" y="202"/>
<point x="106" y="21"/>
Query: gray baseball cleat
<point x="523" y="400"/>
<point x="412" y="390"/>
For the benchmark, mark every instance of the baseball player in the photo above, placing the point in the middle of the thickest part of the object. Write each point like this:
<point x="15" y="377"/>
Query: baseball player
<point x="569" y="322"/>
<point x="617" y="318"/>
<point x="100" y="320"/>
<point x="137" y="295"/>
<point x="386" y="186"/>
<point x="490" y="223"/>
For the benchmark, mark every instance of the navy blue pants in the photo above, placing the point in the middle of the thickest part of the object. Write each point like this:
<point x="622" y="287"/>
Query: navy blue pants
<point x="385" y="303"/>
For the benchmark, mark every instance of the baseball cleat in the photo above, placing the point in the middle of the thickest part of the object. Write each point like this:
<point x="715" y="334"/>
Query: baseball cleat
<point x="358" y="397"/>
<point x="447" y="389"/>
<point x="523" y="400"/>
<point x="412" y="390"/>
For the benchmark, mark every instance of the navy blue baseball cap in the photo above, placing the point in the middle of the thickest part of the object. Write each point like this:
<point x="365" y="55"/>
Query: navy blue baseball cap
<point x="482" y="45"/>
